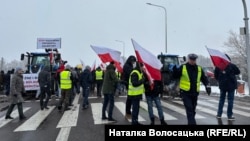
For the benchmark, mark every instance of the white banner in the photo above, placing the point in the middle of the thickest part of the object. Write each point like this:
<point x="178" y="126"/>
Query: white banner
<point x="48" y="43"/>
<point x="31" y="81"/>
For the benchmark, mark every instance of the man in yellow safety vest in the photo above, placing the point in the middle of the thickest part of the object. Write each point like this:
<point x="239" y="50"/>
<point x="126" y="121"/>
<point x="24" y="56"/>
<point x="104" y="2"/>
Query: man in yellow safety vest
<point x="191" y="75"/>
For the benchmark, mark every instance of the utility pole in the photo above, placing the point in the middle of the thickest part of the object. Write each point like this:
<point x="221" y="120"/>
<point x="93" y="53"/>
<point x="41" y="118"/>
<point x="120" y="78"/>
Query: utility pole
<point x="247" y="41"/>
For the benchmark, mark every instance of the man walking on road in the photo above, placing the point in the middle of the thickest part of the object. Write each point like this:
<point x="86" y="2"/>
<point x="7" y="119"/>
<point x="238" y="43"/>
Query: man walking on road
<point x="227" y="84"/>
<point x="191" y="75"/>
<point x="44" y="78"/>
<point x="16" y="91"/>
<point x="66" y="79"/>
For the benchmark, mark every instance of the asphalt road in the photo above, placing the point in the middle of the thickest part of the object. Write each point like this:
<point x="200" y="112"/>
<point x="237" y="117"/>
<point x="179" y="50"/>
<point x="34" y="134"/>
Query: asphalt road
<point x="78" y="125"/>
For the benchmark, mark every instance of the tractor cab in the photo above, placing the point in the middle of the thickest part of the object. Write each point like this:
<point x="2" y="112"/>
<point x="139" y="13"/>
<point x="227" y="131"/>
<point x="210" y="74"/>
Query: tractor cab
<point x="169" y="82"/>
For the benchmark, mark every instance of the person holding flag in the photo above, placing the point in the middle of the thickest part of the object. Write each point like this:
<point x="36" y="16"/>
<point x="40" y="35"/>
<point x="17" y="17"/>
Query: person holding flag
<point x="191" y="75"/>
<point x="153" y="96"/>
<point x="227" y="84"/>
<point x="135" y="90"/>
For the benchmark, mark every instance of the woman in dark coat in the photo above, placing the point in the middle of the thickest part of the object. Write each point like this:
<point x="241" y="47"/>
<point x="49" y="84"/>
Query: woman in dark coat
<point x="16" y="91"/>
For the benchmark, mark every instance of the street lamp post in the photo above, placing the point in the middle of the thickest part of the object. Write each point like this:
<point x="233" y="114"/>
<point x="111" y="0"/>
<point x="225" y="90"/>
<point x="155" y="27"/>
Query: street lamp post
<point x="123" y="47"/>
<point x="165" y="22"/>
<point x="247" y="40"/>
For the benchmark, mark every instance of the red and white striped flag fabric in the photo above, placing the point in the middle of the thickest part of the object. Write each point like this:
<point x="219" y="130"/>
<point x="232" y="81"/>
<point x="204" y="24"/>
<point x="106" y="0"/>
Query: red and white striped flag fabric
<point x="108" y="55"/>
<point x="151" y="62"/>
<point x="218" y="58"/>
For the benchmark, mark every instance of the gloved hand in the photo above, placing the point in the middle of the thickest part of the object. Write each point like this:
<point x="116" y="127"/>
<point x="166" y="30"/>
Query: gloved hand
<point x="208" y="90"/>
<point x="174" y="68"/>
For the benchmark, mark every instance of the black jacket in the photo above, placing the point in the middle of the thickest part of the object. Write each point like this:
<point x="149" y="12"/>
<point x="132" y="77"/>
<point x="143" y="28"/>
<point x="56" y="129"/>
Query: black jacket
<point x="44" y="77"/>
<point x="227" y="78"/>
<point x="127" y="69"/>
<point x="86" y="79"/>
<point x="192" y="72"/>
<point x="157" y="88"/>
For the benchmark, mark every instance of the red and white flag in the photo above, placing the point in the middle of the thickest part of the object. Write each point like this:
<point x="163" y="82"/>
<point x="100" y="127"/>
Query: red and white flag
<point x="108" y="55"/>
<point x="218" y="58"/>
<point x="151" y="62"/>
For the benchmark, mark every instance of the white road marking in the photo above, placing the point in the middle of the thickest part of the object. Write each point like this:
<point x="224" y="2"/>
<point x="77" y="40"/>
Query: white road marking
<point x="178" y="109"/>
<point x="121" y="106"/>
<point x="235" y="105"/>
<point x="246" y="114"/>
<point x="33" y="122"/>
<point x="144" y="105"/>
<point x="97" y="114"/>
<point x="63" y="134"/>
<point x="14" y="114"/>
<point x="69" y="118"/>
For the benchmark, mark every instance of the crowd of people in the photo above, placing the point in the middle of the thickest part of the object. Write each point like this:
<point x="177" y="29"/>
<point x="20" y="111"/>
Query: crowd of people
<point x="71" y="81"/>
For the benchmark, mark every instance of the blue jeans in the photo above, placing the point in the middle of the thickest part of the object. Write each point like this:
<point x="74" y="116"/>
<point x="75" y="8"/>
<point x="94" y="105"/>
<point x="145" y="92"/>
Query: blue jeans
<point x="157" y="102"/>
<point x="230" y="99"/>
<point x="108" y="99"/>
<point x="85" y="95"/>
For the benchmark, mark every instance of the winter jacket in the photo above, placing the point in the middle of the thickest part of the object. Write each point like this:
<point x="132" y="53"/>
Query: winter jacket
<point x="192" y="71"/>
<point x="110" y="80"/>
<point x="86" y="79"/>
<point x="16" y="88"/>
<point x="227" y="78"/>
<point x="157" y="87"/>
<point x="127" y="69"/>
<point x="44" y="77"/>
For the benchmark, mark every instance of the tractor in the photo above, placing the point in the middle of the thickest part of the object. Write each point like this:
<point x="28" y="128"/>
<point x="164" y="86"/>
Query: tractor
<point x="171" y="88"/>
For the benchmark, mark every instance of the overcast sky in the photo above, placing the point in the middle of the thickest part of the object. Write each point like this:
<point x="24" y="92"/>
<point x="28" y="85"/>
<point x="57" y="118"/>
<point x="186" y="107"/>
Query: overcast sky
<point x="191" y="25"/>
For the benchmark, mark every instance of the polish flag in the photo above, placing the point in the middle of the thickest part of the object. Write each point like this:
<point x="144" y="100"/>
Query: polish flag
<point x="108" y="55"/>
<point x="218" y="58"/>
<point x="151" y="63"/>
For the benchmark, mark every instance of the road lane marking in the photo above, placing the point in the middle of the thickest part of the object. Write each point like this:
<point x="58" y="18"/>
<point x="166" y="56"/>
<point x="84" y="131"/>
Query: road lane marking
<point x="235" y="105"/>
<point x="144" y="105"/>
<point x="33" y="122"/>
<point x="246" y="114"/>
<point x="203" y="109"/>
<point x="121" y="106"/>
<point x="63" y="134"/>
<point x="69" y="118"/>
<point x="14" y="114"/>
<point x="97" y="114"/>
<point x="178" y="109"/>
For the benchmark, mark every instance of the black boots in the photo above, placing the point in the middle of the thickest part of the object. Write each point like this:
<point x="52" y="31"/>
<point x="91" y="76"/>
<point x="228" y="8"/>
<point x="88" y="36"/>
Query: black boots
<point x="20" y="111"/>
<point x="163" y="122"/>
<point x="152" y="121"/>
<point x="11" y="107"/>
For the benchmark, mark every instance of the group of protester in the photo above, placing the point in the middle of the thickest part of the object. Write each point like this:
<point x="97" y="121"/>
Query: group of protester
<point x="136" y="83"/>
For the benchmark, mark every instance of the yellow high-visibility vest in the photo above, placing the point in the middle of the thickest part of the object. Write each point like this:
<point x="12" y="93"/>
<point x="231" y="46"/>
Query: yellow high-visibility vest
<point x="185" y="81"/>
<point x="134" y="91"/>
<point x="65" y="80"/>
<point x="98" y="74"/>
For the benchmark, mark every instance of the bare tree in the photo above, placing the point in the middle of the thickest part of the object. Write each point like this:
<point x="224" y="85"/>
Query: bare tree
<point x="237" y="51"/>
